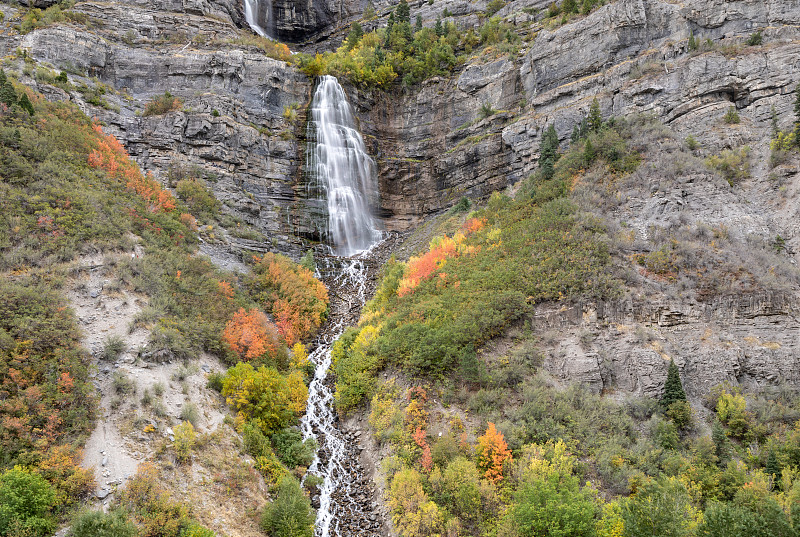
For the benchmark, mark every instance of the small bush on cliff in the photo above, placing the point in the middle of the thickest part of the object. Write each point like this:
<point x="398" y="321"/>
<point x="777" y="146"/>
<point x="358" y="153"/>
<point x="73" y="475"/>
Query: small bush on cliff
<point x="161" y="104"/>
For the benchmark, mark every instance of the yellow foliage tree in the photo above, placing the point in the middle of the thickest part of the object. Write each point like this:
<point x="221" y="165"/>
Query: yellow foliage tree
<point x="413" y="514"/>
<point x="185" y="438"/>
<point x="493" y="453"/>
<point x="271" y="400"/>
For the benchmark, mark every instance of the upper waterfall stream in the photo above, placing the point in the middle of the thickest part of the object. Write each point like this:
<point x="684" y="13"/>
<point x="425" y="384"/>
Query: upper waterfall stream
<point x="251" y="11"/>
<point x="339" y="166"/>
<point x="345" y="175"/>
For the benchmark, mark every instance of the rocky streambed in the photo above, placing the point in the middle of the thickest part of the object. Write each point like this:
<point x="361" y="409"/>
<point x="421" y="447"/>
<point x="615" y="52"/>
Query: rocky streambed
<point x="346" y="501"/>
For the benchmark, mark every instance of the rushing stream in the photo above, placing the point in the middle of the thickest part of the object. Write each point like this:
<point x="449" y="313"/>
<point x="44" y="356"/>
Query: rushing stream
<point x="345" y="175"/>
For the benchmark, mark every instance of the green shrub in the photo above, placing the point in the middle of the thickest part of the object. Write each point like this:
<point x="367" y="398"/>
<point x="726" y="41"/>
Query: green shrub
<point x="460" y="489"/>
<point x="733" y="165"/>
<point x="200" y="200"/>
<point x="99" y="524"/>
<point x="755" y="39"/>
<point x="113" y="347"/>
<point x="292" y="450"/>
<point x="161" y="104"/>
<point x="731" y="117"/>
<point x="494" y="6"/>
<point x="25" y="503"/>
<point x="255" y="442"/>
<point x="290" y="514"/>
<point x="190" y="413"/>
<point x="486" y="110"/>
<point x="215" y="381"/>
<point x="123" y="385"/>
<point x="662" y="507"/>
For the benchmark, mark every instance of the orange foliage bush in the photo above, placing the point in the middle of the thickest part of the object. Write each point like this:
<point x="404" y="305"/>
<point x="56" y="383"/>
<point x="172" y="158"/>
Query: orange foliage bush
<point x="250" y="335"/>
<point x="421" y="268"/>
<point x="297" y="300"/>
<point x="111" y="157"/>
<point x="493" y="453"/>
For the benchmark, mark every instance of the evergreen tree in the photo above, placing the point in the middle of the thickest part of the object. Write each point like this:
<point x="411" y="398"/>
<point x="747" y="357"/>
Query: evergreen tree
<point x="569" y="6"/>
<point x="403" y="12"/>
<point x="692" y="42"/>
<point x="595" y="117"/>
<point x="673" y="389"/>
<point x="548" y="152"/>
<point x="418" y="25"/>
<point x="797" y="114"/>
<point x="439" y="29"/>
<point x="26" y="104"/>
<point x="772" y="468"/>
<point x="389" y="27"/>
<point x="775" y="129"/>
<point x="589" y="152"/>
<point x="3" y="78"/>
<point x="720" y="439"/>
<point x="579" y="131"/>
<point x="356" y="32"/>
<point x="7" y="94"/>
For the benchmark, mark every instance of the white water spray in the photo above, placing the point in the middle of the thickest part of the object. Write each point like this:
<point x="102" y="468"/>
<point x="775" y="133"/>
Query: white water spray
<point x="345" y="175"/>
<point x="342" y="511"/>
<point x="340" y="167"/>
<point x="251" y="16"/>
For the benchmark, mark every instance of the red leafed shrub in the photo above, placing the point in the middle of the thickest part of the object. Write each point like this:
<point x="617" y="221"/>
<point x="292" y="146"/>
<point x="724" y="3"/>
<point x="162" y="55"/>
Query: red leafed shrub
<point x="297" y="300"/>
<point x="250" y="335"/>
<point x="112" y="157"/>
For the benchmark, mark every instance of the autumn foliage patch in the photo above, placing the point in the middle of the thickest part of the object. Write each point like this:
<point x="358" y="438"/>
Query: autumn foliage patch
<point x="112" y="157"/>
<point x="297" y="301"/>
<point x="250" y="335"/>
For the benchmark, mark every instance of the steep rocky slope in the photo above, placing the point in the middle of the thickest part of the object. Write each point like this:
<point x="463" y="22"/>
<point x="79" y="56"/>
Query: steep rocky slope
<point x="723" y="303"/>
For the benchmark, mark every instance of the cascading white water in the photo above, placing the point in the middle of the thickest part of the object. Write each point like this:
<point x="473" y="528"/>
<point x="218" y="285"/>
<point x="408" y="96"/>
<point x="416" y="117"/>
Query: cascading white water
<point x="340" y="167"/>
<point x="342" y="509"/>
<point x="251" y="16"/>
<point x="345" y="175"/>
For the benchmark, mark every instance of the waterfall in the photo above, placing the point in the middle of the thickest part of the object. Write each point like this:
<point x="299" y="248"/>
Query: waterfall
<point x="344" y="175"/>
<point x="344" y="499"/>
<point x="341" y="169"/>
<point x="251" y="10"/>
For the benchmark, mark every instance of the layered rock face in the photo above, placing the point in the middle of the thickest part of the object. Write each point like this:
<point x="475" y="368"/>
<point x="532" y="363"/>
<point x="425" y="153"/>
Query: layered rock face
<point x="632" y="55"/>
<point x="433" y="145"/>
<point x="231" y="124"/>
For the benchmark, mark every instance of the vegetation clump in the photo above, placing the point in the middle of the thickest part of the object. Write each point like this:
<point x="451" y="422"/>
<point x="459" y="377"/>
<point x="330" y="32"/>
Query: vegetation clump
<point x="161" y="104"/>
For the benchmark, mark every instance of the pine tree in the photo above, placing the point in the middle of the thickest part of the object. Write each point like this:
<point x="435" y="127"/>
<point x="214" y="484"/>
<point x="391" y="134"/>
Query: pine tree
<point x="589" y="152"/>
<point x="439" y="29"/>
<point x="548" y="152"/>
<point x="7" y="94"/>
<point x="569" y="6"/>
<point x="772" y="468"/>
<point x="26" y="104"/>
<point x="3" y="78"/>
<point x="797" y="114"/>
<point x="595" y="117"/>
<point x="403" y="12"/>
<point x="418" y="25"/>
<point x="673" y="389"/>
<point x="389" y="27"/>
<point x="356" y="32"/>
<point x="720" y="439"/>
<point x="774" y="123"/>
